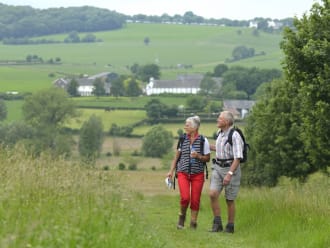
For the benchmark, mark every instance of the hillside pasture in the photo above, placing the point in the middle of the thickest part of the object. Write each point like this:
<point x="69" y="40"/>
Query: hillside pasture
<point x="177" y="49"/>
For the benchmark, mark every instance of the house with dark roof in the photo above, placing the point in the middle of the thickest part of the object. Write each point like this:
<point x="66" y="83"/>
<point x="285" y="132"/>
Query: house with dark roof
<point x="85" y="84"/>
<point x="240" y="108"/>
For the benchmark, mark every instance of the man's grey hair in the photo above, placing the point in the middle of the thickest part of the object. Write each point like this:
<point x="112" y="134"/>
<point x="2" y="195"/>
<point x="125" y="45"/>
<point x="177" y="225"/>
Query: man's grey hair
<point x="228" y="116"/>
<point x="194" y="120"/>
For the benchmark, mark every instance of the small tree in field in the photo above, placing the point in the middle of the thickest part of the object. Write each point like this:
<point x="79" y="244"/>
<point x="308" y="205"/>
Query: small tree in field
<point x="91" y="139"/>
<point x="46" y="112"/>
<point x="157" y="142"/>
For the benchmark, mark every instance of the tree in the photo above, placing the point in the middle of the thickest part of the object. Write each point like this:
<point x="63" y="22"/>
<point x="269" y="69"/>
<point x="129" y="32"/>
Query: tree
<point x="73" y="37"/>
<point x="196" y="103"/>
<point x="133" y="88"/>
<point x="89" y="38"/>
<point x="99" y="89"/>
<point x="154" y="110"/>
<point x="12" y="133"/>
<point x="146" y="41"/>
<point x="307" y="67"/>
<point x="73" y="88"/>
<point x="219" y="70"/>
<point x="3" y="110"/>
<point x="148" y="71"/>
<point x="91" y="139"/>
<point x="295" y="108"/>
<point x="48" y="108"/>
<point x="157" y="142"/>
<point x="117" y="87"/>
<point x="208" y="86"/>
<point x="247" y="80"/>
<point x="47" y="111"/>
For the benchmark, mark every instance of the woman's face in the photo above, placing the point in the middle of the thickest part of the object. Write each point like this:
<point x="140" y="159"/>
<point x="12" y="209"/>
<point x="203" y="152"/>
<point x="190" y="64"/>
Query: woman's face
<point x="189" y="128"/>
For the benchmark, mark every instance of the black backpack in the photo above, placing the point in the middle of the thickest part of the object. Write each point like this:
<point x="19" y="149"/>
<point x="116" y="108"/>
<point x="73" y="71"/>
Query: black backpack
<point x="246" y="146"/>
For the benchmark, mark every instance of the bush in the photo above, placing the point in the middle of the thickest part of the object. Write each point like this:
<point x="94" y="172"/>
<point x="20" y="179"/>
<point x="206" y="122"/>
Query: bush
<point x="116" y="148"/>
<point x="121" y="166"/>
<point x="135" y="153"/>
<point x="157" y="142"/>
<point x="132" y="167"/>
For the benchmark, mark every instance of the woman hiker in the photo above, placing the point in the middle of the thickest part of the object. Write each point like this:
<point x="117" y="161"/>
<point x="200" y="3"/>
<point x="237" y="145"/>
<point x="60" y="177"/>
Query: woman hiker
<point x="192" y="153"/>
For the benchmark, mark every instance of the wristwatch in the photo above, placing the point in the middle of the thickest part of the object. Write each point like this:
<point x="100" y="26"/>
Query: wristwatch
<point x="230" y="173"/>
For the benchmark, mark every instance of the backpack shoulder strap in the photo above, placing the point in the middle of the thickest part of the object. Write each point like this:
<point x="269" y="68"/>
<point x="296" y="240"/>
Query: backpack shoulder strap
<point x="180" y="141"/>
<point x="202" y="152"/>
<point x="230" y="136"/>
<point x="202" y="144"/>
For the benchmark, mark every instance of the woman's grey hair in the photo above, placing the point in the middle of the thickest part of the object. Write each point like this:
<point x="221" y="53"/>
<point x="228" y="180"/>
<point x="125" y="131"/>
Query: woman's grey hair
<point x="195" y="121"/>
<point x="228" y="116"/>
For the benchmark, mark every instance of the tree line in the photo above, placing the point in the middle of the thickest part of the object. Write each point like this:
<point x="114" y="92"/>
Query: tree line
<point x="24" y="21"/>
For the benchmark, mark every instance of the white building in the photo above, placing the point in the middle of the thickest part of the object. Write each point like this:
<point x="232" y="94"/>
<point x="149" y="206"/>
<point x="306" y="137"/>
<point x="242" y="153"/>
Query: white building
<point x="184" y="84"/>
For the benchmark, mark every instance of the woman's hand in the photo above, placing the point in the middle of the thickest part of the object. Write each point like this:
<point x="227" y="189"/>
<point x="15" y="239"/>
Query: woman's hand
<point x="194" y="154"/>
<point x="170" y="174"/>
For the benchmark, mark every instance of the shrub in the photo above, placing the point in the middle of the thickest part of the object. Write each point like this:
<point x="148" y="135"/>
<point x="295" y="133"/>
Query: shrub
<point x="121" y="166"/>
<point x="132" y="167"/>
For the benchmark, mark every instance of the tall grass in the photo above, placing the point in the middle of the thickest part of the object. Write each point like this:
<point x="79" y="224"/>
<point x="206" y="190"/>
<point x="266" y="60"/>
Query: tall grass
<point x="289" y="215"/>
<point x="56" y="203"/>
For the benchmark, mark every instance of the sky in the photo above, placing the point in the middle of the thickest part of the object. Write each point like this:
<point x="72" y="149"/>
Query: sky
<point x="231" y="9"/>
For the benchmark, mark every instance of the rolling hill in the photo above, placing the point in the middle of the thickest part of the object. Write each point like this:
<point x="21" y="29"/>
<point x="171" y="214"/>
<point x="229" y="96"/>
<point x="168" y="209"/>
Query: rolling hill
<point x="175" y="48"/>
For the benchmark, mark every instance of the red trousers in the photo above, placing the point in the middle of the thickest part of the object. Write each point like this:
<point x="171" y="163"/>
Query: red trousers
<point x="191" y="187"/>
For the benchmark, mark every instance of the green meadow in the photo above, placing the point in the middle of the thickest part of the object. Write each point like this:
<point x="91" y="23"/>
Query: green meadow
<point x="201" y="47"/>
<point x="47" y="202"/>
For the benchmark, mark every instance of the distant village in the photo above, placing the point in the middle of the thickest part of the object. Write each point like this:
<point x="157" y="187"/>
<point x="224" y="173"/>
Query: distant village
<point x="183" y="84"/>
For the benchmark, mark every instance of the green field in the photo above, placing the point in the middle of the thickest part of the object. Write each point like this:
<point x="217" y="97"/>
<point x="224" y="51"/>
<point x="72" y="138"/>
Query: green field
<point x="125" y="102"/>
<point x="121" y="118"/>
<point x="58" y="203"/>
<point x="202" y="47"/>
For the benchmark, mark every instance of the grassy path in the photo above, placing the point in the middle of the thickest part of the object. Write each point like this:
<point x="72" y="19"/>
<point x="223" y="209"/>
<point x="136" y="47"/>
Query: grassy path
<point x="285" y="216"/>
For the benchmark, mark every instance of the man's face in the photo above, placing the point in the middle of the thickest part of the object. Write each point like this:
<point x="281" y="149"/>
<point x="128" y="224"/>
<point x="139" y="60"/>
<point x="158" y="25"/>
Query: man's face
<point x="221" y="121"/>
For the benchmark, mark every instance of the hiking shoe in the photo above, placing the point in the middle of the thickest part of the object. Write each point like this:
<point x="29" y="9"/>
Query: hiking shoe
<point x="217" y="227"/>
<point x="193" y="225"/>
<point x="229" y="228"/>
<point x="180" y="224"/>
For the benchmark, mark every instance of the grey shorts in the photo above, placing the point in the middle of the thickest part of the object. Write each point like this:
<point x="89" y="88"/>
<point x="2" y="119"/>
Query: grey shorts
<point x="218" y="174"/>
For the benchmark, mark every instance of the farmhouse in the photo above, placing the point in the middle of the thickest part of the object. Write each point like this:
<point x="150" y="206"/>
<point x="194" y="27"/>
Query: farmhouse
<point x="85" y="84"/>
<point x="184" y="84"/>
